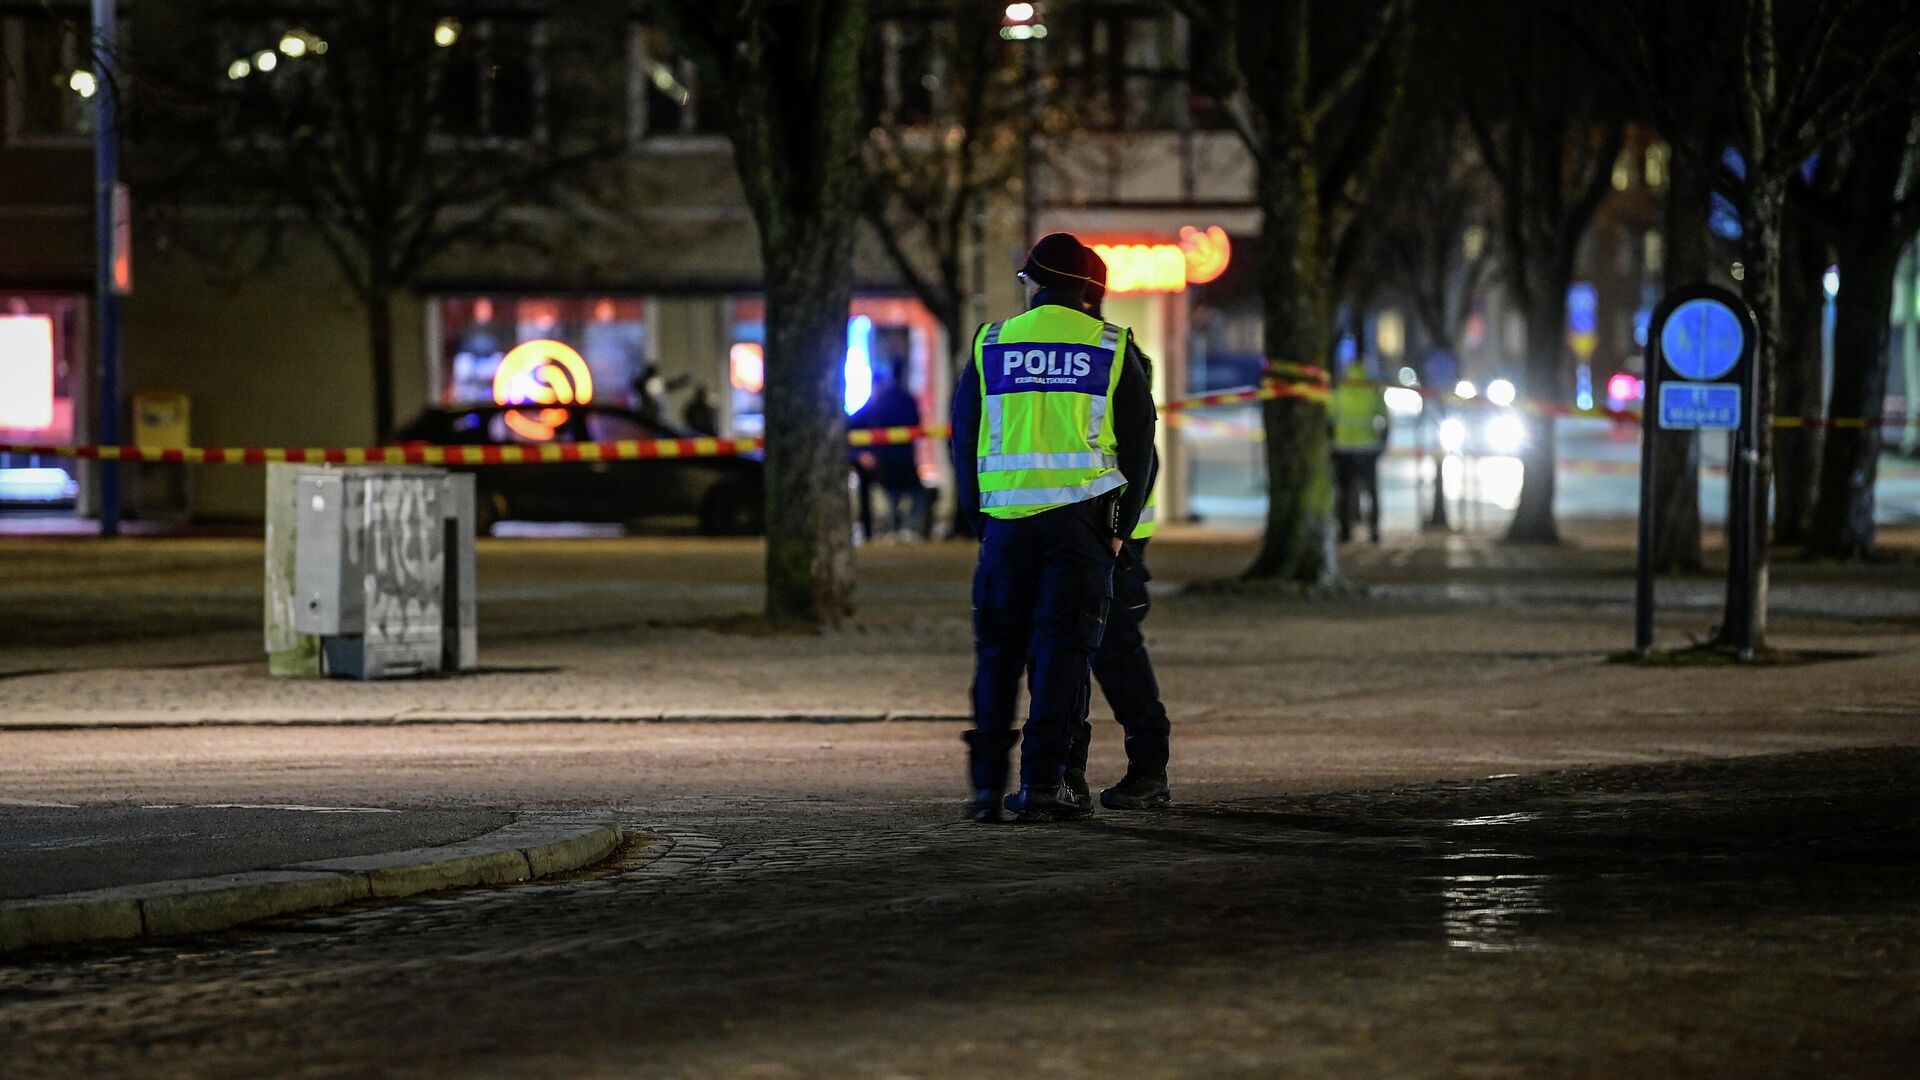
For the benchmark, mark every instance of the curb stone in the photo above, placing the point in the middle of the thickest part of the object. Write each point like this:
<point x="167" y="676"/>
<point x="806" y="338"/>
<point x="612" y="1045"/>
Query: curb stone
<point x="531" y="846"/>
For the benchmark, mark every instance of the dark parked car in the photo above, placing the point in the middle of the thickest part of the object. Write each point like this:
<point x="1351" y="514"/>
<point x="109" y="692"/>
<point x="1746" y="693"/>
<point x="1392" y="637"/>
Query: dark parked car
<point x="724" y="494"/>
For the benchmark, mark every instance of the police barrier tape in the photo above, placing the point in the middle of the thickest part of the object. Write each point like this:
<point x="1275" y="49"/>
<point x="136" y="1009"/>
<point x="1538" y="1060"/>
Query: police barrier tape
<point x="1307" y="383"/>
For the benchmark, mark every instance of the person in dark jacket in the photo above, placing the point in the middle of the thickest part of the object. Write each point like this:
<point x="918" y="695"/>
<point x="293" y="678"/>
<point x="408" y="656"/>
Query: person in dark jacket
<point x="1053" y="425"/>
<point x="1121" y="665"/>
<point x="891" y="467"/>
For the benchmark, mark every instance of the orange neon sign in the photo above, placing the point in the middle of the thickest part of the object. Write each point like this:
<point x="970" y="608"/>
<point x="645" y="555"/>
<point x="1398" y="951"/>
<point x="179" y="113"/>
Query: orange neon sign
<point x="1200" y="256"/>
<point x="546" y="373"/>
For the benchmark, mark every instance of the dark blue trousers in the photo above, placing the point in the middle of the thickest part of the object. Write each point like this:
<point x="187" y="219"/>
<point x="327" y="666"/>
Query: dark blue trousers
<point x="1125" y="672"/>
<point x="1040" y="596"/>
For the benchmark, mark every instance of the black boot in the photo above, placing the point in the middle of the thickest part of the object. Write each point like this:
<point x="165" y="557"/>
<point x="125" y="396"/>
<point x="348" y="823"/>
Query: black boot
<point x="1076" y="781"/>
<point x="1138" y="793"/>
<point x="985" y="807"/>
<point x="1047" y="804"/>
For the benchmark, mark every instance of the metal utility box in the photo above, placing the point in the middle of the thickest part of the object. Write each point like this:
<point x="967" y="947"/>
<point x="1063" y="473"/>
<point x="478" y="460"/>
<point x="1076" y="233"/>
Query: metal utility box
<point x="383" y="570"/>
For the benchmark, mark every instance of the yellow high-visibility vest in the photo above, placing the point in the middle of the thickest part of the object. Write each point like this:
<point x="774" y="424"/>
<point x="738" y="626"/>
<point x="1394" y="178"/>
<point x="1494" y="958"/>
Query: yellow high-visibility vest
<point x="1046" y="401"/>
<point x="1359" y="408"/>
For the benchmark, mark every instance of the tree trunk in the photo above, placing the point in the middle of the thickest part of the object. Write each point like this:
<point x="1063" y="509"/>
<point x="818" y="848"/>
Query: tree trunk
<point x="1842" y="522"/>
<point x="953" y="321"/>
<point x="1545" y="370"/>
<point x="1298" y="545"/>
<point x="1762" y="248"/>
<point x="379" y="305"/>
<point x="809" y="522"/>
<point x="1803" y="263"/>
<point x="1910" y="356"/>
<point x="1676" y="478"/>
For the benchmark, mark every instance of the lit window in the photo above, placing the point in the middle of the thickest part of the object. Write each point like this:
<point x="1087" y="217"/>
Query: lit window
<point x="46" y="78"/>
<point x="1659" y="156"/>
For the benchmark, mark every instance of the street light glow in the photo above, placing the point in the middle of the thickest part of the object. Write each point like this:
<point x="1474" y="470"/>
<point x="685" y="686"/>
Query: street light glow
<point x="1465" y="390"/>
<point x="239" y="69"/>
<point x="446" y="32"/>
<point x="82" y="82"/>
<point x="1506" y="435"/>
<point x="265" y="60"/>
<point x="1019" y="13"/>
<point x="292" y="44"/>
<point x="1500" y="392"/>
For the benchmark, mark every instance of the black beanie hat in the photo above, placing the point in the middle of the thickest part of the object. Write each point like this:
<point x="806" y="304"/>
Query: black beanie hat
<point x="1096" y="290"/>
<point x="1058" y="261"/>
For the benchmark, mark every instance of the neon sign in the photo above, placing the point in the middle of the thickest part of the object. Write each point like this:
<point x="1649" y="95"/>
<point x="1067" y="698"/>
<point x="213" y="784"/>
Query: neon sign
<point x="546" y="373"/>
<point x="1200" y="256"/>
<point x="747" y="366"/>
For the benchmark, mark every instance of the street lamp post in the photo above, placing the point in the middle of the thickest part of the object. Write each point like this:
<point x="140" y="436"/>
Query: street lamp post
<point x="109" y="269"/>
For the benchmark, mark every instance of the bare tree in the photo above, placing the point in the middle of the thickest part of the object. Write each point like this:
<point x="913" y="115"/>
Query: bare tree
<point x="1550" y="144"/>
<point x="931" y="174"/>
<point x="1876" y="213"/>
<point x="1313" y="88"/>
<point x="384" y="126"/>
<point x="1805" y="256"/>
<point x="1809" y="72"/>
<point x="1434" y="229"/>
<point x="786" y="75"/>
<point x="1676" y="64"/>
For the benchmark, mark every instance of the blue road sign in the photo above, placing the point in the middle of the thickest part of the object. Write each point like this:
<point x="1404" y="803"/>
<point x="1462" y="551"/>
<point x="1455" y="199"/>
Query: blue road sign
<point x="1702" y="340"/>
<point x="1697" y="406"/>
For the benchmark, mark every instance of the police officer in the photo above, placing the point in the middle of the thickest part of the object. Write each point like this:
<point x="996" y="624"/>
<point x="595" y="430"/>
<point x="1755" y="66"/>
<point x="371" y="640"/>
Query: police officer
<point x="1360" y="423"/>
<point x="1121" y="665"/>
<point x="1051" y="417"/>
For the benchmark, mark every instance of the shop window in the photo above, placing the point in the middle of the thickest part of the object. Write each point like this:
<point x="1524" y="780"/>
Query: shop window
<point x="39" y="366"/>
<point x="885" y="335"/>
<point x="608" y="334"/>
<point x="47" y="81"/>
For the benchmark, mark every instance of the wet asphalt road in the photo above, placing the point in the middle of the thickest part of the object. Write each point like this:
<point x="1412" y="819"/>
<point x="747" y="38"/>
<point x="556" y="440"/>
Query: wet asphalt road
<point x="1754" y="917"/>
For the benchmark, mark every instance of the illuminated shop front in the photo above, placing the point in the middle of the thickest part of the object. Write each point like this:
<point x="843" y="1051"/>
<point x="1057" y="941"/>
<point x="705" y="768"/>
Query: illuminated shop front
<point x="1155" y="285"/>
<point x="41" y="358"/>
<point x="605" y="336"/>
<point x="882" y="332"/>
<point x="655" y="354"/>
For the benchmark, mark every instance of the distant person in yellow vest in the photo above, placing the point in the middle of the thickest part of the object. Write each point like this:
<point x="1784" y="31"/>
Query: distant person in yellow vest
<point x="1360" y="424"/>
<point x="1053" y="428"/>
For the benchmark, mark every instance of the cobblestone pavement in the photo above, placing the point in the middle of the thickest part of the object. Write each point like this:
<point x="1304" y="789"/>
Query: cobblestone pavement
<point x="1744" y="918"/>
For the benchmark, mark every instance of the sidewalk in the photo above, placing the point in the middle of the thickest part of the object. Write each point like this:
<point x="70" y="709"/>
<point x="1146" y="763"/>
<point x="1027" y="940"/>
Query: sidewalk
<point x="145" y="633"/>
<point x="108" y="872"/>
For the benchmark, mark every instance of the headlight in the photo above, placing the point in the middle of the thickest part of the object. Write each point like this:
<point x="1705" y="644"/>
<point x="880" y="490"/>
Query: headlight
<point x="1506" y="434"/>
<point x="1453" y="435"/>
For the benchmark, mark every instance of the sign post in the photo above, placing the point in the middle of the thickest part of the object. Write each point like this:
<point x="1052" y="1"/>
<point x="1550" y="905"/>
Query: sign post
<point x="1700" y="377"/>
<point x="111" y="280"/>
